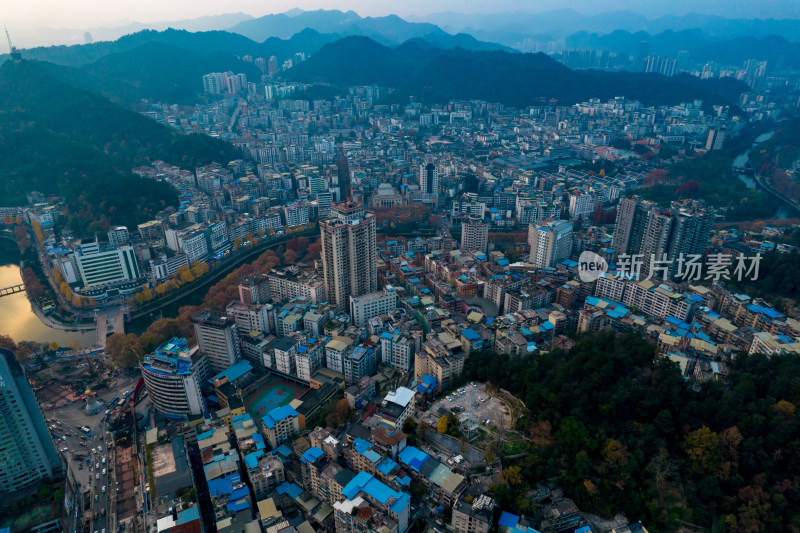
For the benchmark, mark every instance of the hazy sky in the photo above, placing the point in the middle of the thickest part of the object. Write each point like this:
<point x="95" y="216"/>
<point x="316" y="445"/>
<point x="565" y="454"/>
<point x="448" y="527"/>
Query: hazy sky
<point x="89" y="13"/>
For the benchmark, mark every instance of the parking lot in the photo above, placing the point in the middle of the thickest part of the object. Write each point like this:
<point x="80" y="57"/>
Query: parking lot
<point x="486" y="409"/>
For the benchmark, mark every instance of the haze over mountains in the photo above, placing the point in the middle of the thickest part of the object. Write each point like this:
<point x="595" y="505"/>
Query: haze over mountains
<point x="508" y="28"/>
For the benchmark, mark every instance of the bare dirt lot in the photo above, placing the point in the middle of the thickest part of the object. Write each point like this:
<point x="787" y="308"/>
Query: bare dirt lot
<point x="489" y="412"/>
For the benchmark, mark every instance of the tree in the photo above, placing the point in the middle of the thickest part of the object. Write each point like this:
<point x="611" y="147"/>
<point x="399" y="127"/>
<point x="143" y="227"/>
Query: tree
<point x="125" y="351"/>
<point x="23" y="237"/>
<point x="339" y="414"/>
<point x="597" y="216"/>
<point x="237" y="242"/>
<point x="187" y="276"/>
<point x="542" y="433"/>
<point x="418" y="490"/>
<point x="44" y="492"/>
<point x="297" y="244"/>
<point x="32" y="283"/>
<point x="289" y="257"/>
<point x="572" y="434"/>
<point x="662" y="467"/>
<point x="54" y="346"/>
<point x="37" y="230"/>
<point x="702" y="448"/>
<point x="7" y="343"/>
<point x="615" y="454"/>
<point x="190" y="495"/>
<point x="441" y="427"/>
<point x="314" y="251"/>
<point x="655" y="177"/>
<point x="513" y="475"/>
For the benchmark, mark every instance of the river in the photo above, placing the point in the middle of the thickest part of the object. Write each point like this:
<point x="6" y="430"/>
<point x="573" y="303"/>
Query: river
<point x="17" y="319"/>
<point x="741" y="160"/>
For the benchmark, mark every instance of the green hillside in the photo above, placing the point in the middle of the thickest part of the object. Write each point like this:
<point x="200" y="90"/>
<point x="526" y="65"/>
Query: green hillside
<point x="438" y="75"/>
<point x="68" y="142"/>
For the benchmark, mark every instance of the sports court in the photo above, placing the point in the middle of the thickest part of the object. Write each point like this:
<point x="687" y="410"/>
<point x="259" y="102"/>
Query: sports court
<point x="276" y="393"/>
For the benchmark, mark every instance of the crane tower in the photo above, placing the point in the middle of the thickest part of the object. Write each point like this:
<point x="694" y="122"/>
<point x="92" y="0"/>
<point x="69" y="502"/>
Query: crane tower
<point x="14" y="53"/>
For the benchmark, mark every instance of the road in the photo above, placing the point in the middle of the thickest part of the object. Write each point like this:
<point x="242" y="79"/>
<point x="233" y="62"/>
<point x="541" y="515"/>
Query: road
<point x="102" y="321"/>
<point x="91" y="472"/>
<point x="220" y="271"/>
<point x="101" y="329"/>
<point x="762" y="181"/>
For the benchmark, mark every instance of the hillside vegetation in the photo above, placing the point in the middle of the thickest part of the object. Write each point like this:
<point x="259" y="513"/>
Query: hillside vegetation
<point x="622" y="431"/>
<point x="514" y="79"/>
<point x="68" y="142"/>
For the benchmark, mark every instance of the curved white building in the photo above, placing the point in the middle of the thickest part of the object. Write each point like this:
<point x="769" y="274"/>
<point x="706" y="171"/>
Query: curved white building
<point x="172" y="375"/>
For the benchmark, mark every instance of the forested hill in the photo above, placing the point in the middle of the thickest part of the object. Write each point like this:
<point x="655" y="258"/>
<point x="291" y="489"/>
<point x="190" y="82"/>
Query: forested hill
<point x="65" y="141"/>
<point x="307" y="41"/>
<point x="514" y="79"/>
<point x="157" y="72"/>
<point x="622" y="430"/>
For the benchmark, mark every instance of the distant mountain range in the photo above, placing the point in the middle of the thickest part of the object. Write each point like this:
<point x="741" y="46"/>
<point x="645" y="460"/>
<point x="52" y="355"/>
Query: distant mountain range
<point x="487" y="31"/>
<point x="283" y="44"/>
<point x="512" y="28"/>
<point x="513" y="79"/>
<point x="31" y="37"/>
<point x="700" y="47"/>
<point x="390" y="29"/>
